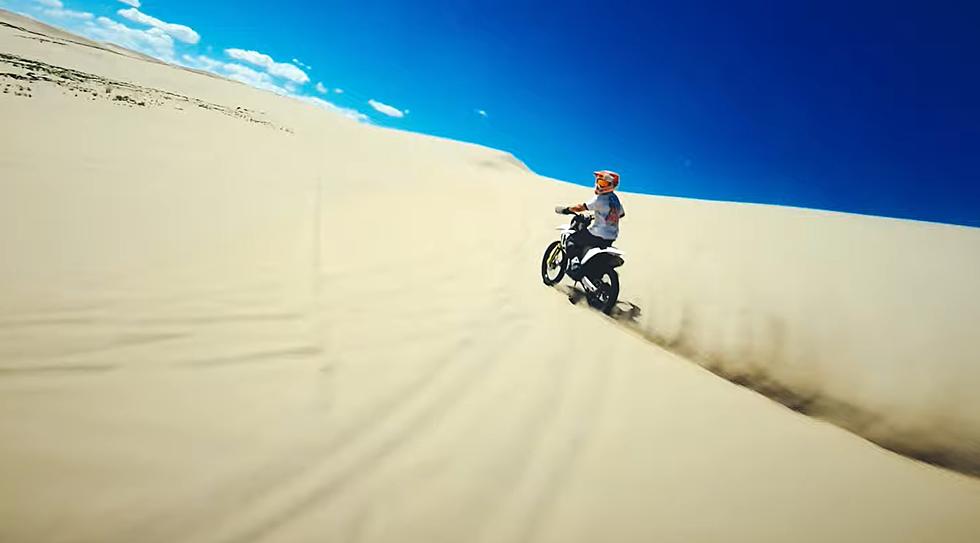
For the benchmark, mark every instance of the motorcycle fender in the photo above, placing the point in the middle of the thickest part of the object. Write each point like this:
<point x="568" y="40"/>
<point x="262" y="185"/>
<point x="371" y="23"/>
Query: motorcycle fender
<point x="596" y="251"/>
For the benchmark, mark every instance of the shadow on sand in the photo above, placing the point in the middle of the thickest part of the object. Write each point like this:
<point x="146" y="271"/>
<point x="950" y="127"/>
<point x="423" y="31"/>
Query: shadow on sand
<point x="838" y="411"/>
<point x="625" y="312"/>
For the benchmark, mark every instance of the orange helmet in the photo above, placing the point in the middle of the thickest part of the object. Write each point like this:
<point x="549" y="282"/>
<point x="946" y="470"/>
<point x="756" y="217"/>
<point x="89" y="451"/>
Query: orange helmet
<point x="606" y="181"/>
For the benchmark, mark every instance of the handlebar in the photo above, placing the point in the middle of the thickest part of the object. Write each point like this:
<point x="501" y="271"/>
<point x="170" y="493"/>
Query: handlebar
<point x="579" y="220"/>
<point x="561" y="210"/>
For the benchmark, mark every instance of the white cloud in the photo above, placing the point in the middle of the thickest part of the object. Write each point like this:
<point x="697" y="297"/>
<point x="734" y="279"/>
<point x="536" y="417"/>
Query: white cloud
<point x="235" y="71"/>
<point x="481" y="113"/>
<point x="68" y="14"/>
<point x="390" y="111"/>
<point x="262" y="80"/>
<point x="202" y="62"/>
<point x="301" y="64"/>
<point x="154" y="41"/>
<point x="278" y="69"/>
<point x="247" y="75"/>
<point x="181" y="33"/>
<point x="159" y="41"/>
<point x="56" y="10"/>
<point x="346" y="112"/>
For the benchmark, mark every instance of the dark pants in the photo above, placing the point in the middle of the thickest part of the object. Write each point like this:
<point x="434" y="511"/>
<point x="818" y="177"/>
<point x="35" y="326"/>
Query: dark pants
<point x="580" y="242"/>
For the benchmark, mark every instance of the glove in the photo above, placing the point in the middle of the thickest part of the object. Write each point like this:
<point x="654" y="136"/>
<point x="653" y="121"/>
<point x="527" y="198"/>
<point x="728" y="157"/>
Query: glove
<point x="561" y="210"/>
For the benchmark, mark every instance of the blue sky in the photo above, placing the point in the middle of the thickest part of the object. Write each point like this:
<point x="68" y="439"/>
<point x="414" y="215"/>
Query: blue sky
<point x="863" y="107"/>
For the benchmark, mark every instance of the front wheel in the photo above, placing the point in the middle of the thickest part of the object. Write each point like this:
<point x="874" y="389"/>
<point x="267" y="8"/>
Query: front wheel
<point x="607" y="291"/>
<point x="553" y="264"/>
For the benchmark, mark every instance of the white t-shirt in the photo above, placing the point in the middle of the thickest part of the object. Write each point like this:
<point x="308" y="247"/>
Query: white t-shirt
<point x="608" y="210"/>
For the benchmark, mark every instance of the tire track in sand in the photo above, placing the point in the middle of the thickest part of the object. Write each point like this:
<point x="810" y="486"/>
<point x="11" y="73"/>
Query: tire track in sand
<point x="412" y="427"/>
<point x="291" y="469"/>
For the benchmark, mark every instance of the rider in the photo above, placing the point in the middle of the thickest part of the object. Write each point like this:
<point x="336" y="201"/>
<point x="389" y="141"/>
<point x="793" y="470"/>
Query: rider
<point x="605" y="228"/>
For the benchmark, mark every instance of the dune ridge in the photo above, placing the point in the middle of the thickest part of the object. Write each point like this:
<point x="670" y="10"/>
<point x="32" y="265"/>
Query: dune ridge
<point x="842" y="320"/>
<point x="213" y="329"/>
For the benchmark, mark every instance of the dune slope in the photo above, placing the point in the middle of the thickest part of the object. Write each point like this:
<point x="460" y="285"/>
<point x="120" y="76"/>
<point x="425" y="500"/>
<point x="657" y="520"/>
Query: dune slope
<point x="230" y="316"/>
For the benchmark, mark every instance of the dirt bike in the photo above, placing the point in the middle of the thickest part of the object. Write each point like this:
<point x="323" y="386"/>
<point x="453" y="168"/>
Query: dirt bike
<point x="596" y="272"/>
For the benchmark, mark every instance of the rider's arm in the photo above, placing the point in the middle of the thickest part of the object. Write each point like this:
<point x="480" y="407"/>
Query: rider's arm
<point x="569" y="210"/>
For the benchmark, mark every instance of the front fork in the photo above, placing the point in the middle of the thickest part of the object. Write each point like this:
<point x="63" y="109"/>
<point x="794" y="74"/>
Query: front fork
<point x="553" y="259"/>
<point x="588" y="284"/>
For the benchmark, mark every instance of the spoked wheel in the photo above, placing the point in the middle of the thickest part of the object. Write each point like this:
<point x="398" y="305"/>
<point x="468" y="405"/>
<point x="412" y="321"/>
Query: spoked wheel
<point x="553" y="264"/>
<point x="607" y="291"/>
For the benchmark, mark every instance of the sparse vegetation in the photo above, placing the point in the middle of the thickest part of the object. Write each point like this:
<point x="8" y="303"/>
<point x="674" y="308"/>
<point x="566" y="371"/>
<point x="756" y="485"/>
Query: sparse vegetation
<point x="93" y="87"/>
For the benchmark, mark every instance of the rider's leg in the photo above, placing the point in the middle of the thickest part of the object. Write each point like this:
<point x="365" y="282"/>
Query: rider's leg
<point x="587" y="240"/>
<point x="576" y="244"/>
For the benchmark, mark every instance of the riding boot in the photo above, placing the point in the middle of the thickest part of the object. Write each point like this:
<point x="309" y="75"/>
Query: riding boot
<point x="575" y="269"/>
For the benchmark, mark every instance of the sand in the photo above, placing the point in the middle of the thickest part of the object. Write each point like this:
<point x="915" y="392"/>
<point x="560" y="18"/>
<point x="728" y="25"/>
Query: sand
<point x="227" y="316"/>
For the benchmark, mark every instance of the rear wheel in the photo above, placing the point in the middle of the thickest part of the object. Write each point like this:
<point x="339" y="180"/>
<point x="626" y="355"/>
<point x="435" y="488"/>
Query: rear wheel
<point x="553" y="264"/>
<point x="607" y="291"/>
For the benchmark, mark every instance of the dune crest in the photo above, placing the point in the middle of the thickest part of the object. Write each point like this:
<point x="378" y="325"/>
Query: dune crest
<point x="863" y="321"/>
<point x="307" y="328"/>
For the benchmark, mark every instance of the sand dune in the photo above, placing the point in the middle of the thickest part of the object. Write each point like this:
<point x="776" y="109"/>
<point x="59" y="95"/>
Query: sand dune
<point x="867" y="322"/>
<point x="231" y="316"/>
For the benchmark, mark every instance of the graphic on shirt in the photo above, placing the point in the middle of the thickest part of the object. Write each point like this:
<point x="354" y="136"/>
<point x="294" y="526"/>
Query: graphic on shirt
<point x="608" y="209"/>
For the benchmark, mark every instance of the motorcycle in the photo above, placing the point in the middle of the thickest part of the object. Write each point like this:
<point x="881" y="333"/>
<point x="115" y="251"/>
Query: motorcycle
<point x="596" y="272"/>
